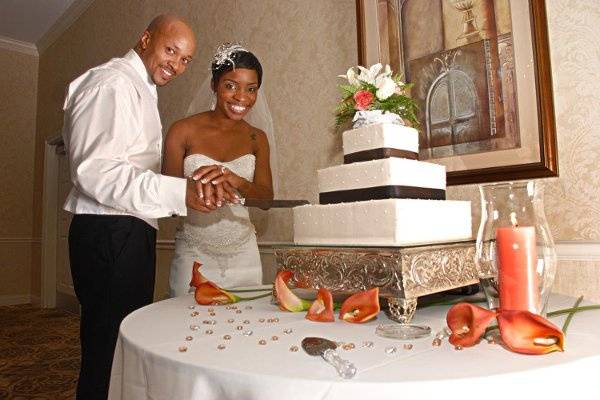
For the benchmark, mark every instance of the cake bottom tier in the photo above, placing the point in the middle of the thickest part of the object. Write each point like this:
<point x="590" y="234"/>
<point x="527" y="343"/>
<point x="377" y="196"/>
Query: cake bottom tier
<point x="388" y="222"/>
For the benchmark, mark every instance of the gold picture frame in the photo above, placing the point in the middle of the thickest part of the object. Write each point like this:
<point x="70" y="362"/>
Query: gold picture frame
<point x="381" y="28"/>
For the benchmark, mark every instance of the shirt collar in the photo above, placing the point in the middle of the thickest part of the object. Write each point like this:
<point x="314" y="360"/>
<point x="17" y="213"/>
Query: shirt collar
<point x="136" y="62"/>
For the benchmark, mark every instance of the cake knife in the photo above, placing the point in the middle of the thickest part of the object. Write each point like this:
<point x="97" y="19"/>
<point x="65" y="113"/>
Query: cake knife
<point x="316" y="346"/>
<point x="266" y="204"/>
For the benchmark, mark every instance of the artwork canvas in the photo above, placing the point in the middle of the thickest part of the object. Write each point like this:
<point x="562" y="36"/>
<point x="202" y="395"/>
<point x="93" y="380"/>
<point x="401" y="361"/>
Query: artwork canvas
<point x="463" y="58"/>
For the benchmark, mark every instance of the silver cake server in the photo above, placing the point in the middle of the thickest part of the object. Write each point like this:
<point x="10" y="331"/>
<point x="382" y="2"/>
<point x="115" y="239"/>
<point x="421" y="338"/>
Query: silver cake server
<point x="316" y="346"/>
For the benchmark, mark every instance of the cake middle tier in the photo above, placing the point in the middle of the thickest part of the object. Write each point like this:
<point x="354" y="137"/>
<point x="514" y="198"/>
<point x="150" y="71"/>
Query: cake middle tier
<point x="388" y="178"/>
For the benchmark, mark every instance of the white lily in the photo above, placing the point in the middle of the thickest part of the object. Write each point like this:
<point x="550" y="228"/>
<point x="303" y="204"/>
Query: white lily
<point x="387" y="72"/>
<point x="352" y="77"/>
<point x="385" y="87"/>
<point x="369" y="75"/>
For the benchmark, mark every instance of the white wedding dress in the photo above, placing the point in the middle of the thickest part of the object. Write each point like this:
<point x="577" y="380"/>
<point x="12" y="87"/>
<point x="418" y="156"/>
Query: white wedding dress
<point x="223" y="241"/>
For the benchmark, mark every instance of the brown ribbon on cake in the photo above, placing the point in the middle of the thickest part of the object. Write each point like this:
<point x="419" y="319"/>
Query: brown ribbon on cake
<point x="377" y="154"/>
<point x="380" y="193"/>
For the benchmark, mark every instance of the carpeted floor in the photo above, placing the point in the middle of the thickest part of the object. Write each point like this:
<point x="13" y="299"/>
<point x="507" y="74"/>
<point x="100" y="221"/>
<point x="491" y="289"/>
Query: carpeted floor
<point x="39" y="353"/>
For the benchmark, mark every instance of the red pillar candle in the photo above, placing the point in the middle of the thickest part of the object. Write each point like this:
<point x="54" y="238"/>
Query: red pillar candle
<point x="517" y="261"/>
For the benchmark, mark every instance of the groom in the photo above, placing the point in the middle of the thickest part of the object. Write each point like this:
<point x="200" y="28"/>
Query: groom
<point x="113" y="134"/>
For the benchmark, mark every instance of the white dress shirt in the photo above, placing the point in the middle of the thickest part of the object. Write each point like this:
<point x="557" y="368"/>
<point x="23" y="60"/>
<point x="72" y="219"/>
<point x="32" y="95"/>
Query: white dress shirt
<point x="113" y="135"/>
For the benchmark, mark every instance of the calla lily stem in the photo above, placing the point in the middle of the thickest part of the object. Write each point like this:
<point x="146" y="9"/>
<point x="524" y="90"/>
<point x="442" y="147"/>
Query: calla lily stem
<point x="260" y="296"/>
<point x="248" y="290"/>
<point x="570" y="316"/>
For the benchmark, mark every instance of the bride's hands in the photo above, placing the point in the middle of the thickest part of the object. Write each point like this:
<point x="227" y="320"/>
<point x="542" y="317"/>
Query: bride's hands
<point x="215" y="192"/>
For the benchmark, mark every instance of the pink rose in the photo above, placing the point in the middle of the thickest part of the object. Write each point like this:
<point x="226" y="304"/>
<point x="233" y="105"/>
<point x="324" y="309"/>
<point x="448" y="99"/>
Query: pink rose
<point x="363" y="99"/>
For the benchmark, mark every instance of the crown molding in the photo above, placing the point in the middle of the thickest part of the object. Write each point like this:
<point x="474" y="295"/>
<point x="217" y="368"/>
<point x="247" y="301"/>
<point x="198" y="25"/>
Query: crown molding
<point x="63" y="23"/>
<point x="7" y="43"/>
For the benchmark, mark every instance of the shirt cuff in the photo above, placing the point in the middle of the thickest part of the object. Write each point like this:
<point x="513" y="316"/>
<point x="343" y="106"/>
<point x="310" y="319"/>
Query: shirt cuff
<point x="172" y="195"/>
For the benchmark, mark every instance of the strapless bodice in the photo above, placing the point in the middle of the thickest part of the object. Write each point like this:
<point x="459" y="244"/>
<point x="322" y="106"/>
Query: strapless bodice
<point x="226" y="228"/>
<point x="242" y="166"/>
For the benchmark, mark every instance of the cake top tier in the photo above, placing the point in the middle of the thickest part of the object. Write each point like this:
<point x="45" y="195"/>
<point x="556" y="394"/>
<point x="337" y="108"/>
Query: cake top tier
<point x="381" y="136"/>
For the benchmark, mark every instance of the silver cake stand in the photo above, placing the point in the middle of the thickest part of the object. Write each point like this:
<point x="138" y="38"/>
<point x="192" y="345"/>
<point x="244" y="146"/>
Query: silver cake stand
<point x="403" y="274"/>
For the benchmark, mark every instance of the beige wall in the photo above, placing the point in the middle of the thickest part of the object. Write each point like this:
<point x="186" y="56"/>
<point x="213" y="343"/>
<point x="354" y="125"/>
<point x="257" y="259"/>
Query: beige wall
<point x="18" y="84"/>
<point x="303" y="46"/>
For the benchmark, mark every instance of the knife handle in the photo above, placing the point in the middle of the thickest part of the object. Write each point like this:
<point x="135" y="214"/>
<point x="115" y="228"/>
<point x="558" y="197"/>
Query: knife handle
<point x="344" y="368"/>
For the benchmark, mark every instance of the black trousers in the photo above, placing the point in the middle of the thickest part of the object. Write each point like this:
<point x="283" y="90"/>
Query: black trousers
<point x="113" y="267"/>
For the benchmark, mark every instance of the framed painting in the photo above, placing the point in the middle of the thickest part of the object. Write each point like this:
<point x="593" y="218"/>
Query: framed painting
<point x="480" y="71"/>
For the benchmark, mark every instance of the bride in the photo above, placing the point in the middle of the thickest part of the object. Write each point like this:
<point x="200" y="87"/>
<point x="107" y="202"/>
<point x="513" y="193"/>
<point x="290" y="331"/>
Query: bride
<point x="224" y="240"/>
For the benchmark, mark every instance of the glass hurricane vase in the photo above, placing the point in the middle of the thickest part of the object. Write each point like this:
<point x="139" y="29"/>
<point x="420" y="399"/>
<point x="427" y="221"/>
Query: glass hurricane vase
<point x="515" y="253"/>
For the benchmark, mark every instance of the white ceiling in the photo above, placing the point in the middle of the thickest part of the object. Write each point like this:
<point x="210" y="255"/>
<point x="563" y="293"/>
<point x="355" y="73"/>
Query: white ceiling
<point x="29" y="20"/>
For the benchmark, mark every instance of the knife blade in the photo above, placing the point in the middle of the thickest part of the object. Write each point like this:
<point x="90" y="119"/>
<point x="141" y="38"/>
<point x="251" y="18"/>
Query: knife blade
<point x="316" y="346"/>
<point x="266" y="204"/>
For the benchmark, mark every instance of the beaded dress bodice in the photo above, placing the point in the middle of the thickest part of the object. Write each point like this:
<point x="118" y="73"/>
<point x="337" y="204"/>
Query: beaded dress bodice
<point x="224" y="230"/>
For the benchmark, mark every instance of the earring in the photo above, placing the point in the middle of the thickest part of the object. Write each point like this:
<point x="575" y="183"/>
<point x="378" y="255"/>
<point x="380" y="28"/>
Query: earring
<point x="213" y="101"/>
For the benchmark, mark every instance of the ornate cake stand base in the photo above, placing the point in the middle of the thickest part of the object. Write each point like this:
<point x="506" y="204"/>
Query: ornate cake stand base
<point x="403" y="274"/>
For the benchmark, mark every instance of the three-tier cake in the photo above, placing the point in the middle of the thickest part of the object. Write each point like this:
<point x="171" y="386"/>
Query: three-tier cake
<point x="382" y="195"/>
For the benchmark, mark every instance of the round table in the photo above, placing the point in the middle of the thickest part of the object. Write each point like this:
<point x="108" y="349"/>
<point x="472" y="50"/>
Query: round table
<point x="224" y="361"/>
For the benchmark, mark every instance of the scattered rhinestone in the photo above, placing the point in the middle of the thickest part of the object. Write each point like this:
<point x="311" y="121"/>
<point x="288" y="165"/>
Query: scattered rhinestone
<point x="246" y="321"/>
<point x="239" y="328"/>
<point x="208" y="331"/>
<point x="188" y="338"/>
<point x="194" y="314"/>
<point x="182" y="349"/>
<point x="238" y="311"/>
<point x="262" y="342"/>
<point x="287" y="331"/>
<point x="191" y="307"/>
<point x="294" y="349"/>
<point x="247" y="333"/>
<point x="407" y="346"/>
<point x="390" y="350"/>
<point x="231" y="320"/>
<point x="194" y="327"/>
<point x="437" y="342"/>
<point x="368" y="344"/>
<point x="274" y="338"/>
<point x="226" y="337"/>
<point x="221" y="347"/>
<point x="348" y="346"/>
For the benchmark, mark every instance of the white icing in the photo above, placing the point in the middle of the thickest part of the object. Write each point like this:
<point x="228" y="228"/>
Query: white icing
<point x="381" y="136"/>
<point x="384" y="172"/>
<point x="388" y="222"/>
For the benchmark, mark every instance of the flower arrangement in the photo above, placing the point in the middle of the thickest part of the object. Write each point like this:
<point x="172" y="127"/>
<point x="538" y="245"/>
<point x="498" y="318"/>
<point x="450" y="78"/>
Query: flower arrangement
<point x="375" y="90"/>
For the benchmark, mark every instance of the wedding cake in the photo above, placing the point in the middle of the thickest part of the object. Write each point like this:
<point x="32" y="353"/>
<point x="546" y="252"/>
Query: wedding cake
<point x="382" y="195"/>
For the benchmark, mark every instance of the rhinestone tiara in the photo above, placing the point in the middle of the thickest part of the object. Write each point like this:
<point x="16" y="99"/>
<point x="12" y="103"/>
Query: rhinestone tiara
<point x="224" y="54"/>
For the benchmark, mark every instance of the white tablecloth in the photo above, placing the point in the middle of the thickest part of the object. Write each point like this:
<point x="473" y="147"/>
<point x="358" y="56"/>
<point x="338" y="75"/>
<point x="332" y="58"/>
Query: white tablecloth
<point x="149" y="365"/>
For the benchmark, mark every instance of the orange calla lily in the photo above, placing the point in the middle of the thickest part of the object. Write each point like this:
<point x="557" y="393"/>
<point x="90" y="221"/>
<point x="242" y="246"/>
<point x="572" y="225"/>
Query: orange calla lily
<point x="528" y="333"/>
<point x="286" y="299"/>
<point x="210" y="294"/>
<point x="197" y="278"/>
<point x="361" y="307"/>
<point x="321" y="309"/>
<point x="207" y="292"/>
<point x="467" y="323"/>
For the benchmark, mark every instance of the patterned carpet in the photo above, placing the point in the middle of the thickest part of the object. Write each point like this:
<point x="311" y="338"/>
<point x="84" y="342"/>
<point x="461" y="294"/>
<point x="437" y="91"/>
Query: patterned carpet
<point x="39" y="353"/>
